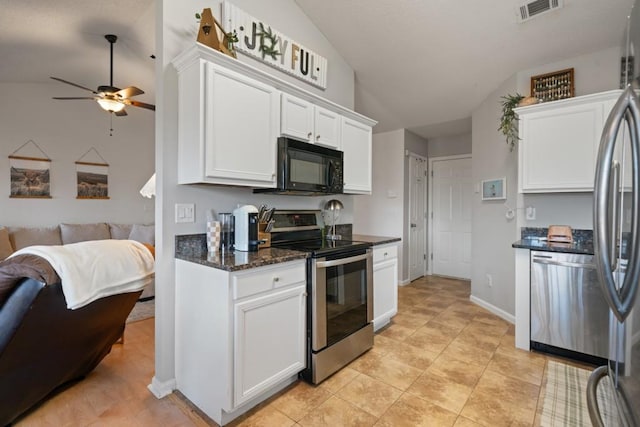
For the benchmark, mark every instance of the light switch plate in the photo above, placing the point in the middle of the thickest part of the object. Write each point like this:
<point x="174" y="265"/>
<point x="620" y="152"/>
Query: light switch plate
<point x="185" y="212"/>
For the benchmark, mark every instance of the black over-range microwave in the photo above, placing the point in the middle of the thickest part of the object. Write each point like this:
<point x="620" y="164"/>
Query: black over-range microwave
<point x="305" y="168"/>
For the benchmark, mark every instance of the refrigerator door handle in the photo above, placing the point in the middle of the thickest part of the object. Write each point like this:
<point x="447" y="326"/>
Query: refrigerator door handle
<point x="592" y="395"/>
<point x="627" y="108"/>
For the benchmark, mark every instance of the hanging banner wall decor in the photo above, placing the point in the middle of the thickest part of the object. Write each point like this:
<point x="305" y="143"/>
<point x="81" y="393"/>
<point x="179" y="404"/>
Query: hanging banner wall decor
<point x="93" y="178"/>
<point x="30" y="176"/>
<point x="263" y="42"/>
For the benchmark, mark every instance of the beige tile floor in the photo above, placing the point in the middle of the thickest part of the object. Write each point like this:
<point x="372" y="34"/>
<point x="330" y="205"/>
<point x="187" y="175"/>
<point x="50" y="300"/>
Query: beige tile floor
<point x="442" y="361"/>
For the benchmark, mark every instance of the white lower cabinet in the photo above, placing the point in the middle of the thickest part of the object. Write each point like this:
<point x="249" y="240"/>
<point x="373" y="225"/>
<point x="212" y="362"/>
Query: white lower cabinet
<point x="268" y="342"/>
<point x="385" y="284"/>
<point x="240" y="336"/>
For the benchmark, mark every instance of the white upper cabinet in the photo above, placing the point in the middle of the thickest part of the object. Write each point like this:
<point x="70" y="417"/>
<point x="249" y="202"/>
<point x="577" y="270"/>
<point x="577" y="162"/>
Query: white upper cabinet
<point x="230" y="115"/>
<point x="357" y="148"/>
<point x="223" y="115"/>
<point x="310" y="123"/>
<point x="559" y="143"/>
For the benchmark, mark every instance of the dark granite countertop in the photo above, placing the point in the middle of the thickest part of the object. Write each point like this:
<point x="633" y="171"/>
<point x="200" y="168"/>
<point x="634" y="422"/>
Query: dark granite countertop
<point x="193" y="248"/>
<point x="534" y="238"/>
<point x="374" y="240"/>
<point x="579" y="247"/>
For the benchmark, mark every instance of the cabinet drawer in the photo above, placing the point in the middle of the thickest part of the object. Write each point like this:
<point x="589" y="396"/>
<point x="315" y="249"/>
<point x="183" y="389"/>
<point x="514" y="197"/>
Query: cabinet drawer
<point x="384" y="253"/>
<point x="267" y="278"/>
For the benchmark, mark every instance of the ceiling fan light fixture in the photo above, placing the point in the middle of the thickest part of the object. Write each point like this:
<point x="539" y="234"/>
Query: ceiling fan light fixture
<point x="111" y="105"/>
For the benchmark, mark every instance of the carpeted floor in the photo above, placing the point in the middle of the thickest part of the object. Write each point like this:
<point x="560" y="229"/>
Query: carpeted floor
<point x="142" y="310"/>
<point x="565" y="400"/>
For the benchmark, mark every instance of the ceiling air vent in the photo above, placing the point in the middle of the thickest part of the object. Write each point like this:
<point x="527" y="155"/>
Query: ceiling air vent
<point x="531" y="9"/>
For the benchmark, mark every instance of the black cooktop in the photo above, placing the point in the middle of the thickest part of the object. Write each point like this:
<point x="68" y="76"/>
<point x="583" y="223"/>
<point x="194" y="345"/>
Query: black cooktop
<point x="319" y="248"/>
<point x="300" y="230"/>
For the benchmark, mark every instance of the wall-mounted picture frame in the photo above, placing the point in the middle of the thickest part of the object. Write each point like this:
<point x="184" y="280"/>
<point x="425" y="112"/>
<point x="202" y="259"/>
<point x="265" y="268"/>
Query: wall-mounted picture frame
<point x="494" y="189"/>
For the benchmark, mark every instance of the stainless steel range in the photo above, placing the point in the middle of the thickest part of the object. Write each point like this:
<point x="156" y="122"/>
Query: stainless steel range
<point x="340" y="288"/>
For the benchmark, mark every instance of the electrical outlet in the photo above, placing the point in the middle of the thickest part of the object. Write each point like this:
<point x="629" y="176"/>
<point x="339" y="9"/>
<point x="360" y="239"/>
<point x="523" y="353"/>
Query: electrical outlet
<point x="489" y="280"/>
<point x="185" y="212"/>
<point x="530" y="213"/>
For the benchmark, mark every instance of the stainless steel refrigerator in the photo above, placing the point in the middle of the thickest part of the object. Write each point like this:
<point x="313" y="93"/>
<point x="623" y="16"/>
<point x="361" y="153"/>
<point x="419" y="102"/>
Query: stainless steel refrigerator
<point x="613" y="391"/>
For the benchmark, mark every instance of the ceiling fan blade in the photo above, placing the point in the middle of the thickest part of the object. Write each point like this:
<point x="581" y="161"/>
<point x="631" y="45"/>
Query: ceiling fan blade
<point x="128" y="92"/>
<point x="120" y="113"/>
<point x="74" y="97"/>
<point x="140" y="104"/>
<point x="73" y="84"/>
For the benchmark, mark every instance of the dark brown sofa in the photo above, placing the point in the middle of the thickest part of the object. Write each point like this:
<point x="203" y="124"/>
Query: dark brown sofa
<point x="44" y="345"/>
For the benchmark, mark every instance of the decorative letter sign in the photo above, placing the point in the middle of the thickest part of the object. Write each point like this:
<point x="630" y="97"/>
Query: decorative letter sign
<point x="259" y="40"/>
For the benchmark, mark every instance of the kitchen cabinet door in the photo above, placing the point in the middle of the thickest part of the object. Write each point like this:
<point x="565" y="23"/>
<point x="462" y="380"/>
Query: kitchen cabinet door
<point x="559" y="143"/>
<point x="241" y="128"/>
<point x="311" y="123"/>
<point x="270" y="332"/>
<point x="296" y="118"/>
<point x="327" y="128"/>
<point x="228" y="127"/>
<point x="385" y="285"/>
<point x="357" y="148"/>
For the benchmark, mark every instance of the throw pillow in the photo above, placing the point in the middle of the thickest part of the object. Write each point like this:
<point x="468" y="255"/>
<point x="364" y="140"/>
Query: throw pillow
<point x="143" y="234"/>
<point x="120" y="231"/>
<point x="23" y="237"/>
<point x="5" y="244"/>
<point x="73" y="233"/>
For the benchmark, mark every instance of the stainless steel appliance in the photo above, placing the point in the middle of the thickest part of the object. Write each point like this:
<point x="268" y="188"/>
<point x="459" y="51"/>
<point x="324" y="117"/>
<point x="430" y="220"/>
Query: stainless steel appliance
<point x="569" y="315"/>
<point x="340" y="288"/>
<point x="617" y="243"/>
<point x="305" y="168"/>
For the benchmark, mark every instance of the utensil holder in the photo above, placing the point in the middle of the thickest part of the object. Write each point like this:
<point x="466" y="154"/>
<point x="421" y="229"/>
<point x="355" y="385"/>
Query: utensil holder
<point x="263" y="236"/>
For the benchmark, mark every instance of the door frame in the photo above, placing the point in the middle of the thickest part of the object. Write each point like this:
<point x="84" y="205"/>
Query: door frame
<point x="432" y="160"/>
<point x="426" y="213"/>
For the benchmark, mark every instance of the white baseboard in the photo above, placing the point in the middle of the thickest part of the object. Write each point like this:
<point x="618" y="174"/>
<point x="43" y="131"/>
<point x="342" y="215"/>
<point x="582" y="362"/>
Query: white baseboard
<point x="161" y="389"/>
<point x="493" y="309"/>
<point x="404" y="282"/>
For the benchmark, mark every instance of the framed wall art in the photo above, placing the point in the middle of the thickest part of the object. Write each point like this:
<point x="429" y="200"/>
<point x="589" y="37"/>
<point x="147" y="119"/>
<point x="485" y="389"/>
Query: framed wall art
<point x="494" y="189"/>
<point x="92" y="177"/>
<point x="30" y="175"/>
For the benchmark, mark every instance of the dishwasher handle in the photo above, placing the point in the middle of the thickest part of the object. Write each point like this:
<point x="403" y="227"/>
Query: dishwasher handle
<point x="564" y="263"/>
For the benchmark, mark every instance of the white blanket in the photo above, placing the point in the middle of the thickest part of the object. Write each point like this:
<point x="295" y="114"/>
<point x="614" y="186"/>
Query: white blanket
<point x="97" y="268"/>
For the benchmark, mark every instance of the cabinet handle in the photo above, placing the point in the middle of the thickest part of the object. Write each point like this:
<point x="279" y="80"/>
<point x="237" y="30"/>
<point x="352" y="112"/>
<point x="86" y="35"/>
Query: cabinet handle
<point x="385" y="254"/>
<point x="309" y="135"/>
<point x="317" y="137"/>
<point x="276" y="279"/>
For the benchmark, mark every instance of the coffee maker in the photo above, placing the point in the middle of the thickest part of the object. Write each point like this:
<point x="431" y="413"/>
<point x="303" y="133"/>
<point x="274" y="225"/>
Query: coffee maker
<point x="246" y="228"/>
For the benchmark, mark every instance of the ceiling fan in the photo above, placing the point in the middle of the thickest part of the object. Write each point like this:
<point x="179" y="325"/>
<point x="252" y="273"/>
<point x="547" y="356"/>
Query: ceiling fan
<point x="111" y="98"/>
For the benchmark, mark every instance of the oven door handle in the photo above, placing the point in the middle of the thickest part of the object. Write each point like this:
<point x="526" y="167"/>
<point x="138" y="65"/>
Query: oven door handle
<point x="342" y="261"/>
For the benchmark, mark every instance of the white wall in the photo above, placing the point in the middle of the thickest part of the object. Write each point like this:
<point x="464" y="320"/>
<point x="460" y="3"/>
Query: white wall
<point x="177" y="31"/>
<point x="453" y="145"/>
<point x="493" y="234"/>
<point x="381" y="213"/>
<point x="65" y="130"/>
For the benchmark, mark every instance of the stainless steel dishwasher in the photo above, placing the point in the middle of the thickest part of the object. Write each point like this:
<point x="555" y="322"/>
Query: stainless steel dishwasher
<point x="569" y="315"/>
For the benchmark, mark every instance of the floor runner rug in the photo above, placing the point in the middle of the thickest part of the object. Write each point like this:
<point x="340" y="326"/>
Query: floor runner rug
<point x="142" y="310"/>
<point x="565" y="399"/>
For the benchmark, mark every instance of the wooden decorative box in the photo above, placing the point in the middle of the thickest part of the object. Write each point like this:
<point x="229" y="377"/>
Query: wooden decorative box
<point x="553" y="86"/>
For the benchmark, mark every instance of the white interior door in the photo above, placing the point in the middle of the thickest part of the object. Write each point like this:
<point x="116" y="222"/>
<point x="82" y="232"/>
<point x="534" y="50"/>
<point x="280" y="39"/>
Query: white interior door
<point x="417" y="217"/>
<point x="452" y="196"/>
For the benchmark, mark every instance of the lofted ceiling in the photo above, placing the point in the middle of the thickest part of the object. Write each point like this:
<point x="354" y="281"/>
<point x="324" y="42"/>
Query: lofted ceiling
<point x="423" y="65"/>
<point x="65" y="39"/>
